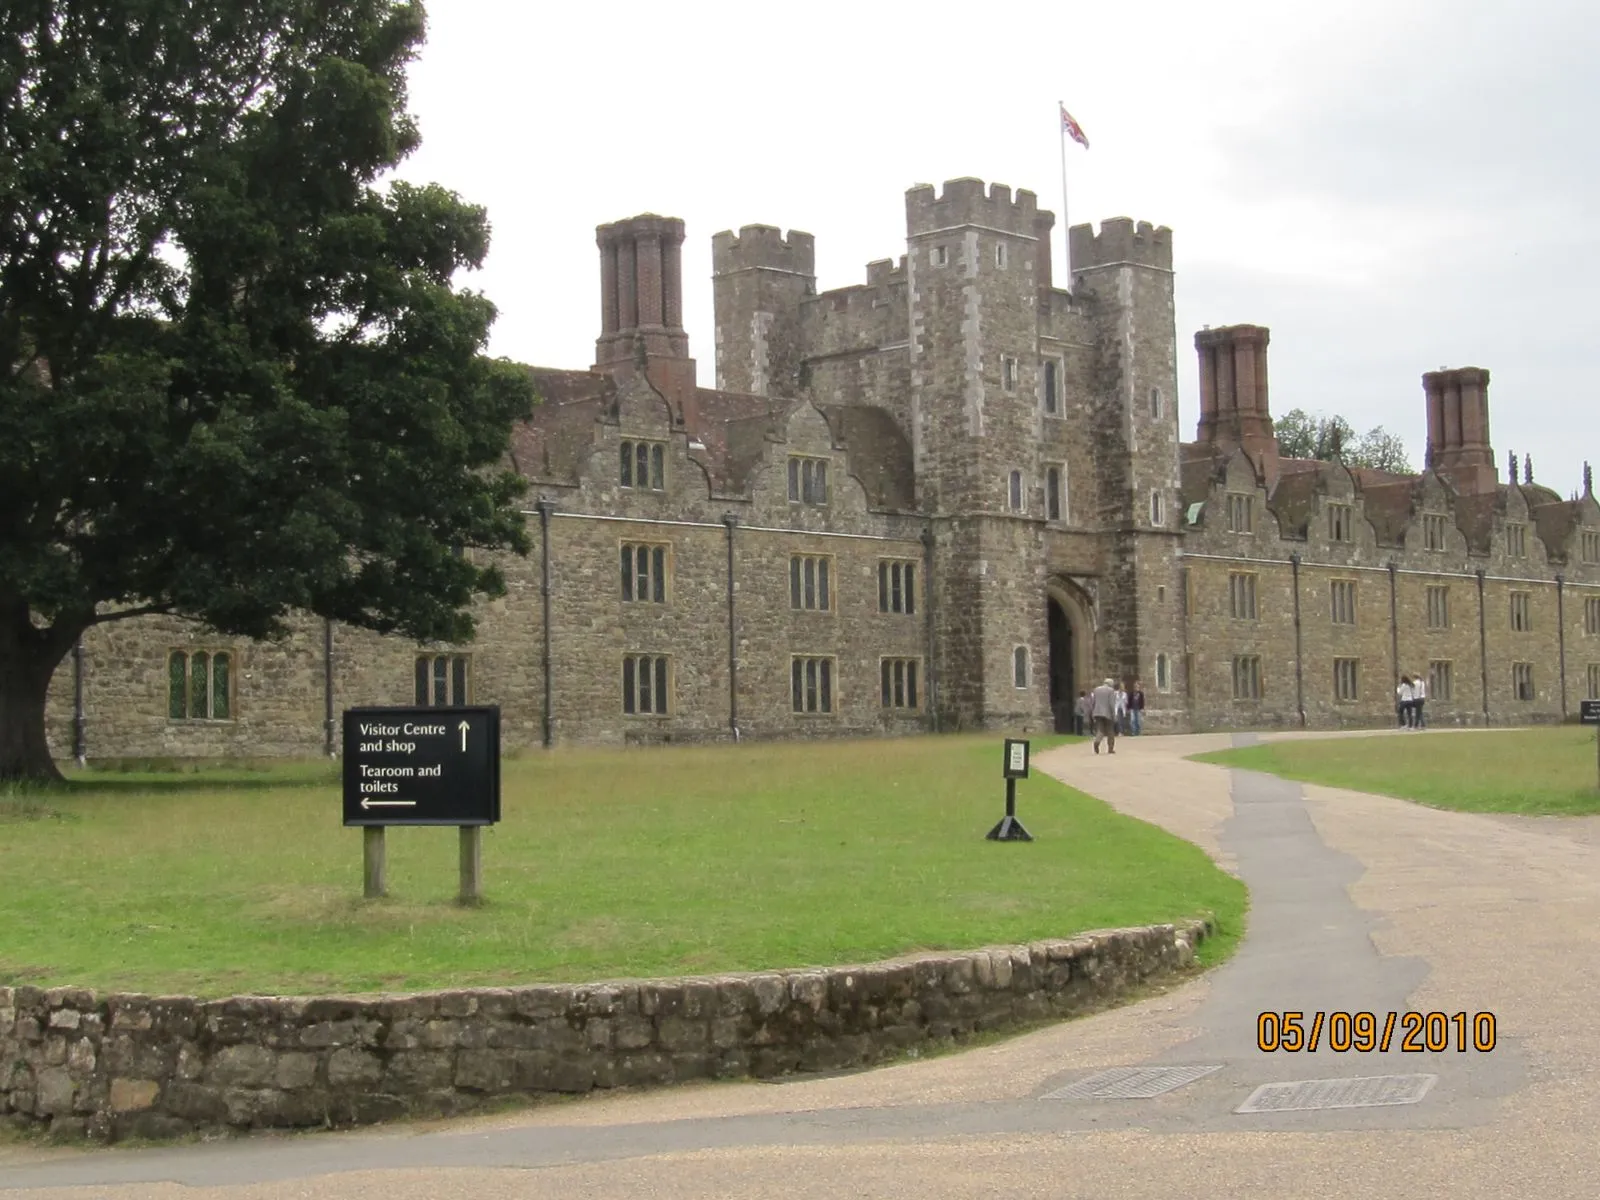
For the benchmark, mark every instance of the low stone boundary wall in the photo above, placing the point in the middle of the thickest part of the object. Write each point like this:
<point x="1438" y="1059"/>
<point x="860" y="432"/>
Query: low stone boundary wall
<point x="111" y="1066"/>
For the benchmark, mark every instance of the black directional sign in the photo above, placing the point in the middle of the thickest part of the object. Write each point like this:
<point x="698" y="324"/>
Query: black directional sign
<point x="1589" y="712"/>
<point x="422" y="766"/>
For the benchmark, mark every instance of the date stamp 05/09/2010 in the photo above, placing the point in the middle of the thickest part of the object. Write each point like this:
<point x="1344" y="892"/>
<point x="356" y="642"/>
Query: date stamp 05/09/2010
<point x="1366" y="1032"/>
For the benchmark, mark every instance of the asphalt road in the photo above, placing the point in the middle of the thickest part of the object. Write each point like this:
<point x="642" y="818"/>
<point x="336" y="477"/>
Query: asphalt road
<point x="1359" y="904"/>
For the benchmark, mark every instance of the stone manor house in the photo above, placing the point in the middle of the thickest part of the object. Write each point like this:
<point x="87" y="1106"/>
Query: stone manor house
<point x="947" y="498"/>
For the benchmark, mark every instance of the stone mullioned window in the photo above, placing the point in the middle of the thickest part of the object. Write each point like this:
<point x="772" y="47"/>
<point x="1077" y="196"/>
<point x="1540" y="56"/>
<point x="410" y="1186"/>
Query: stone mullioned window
<point x="1517" y="541"/>
<point x="1341" y="522"/>
<point x="1441" y="680"/>
<point x="1593" y="682"/>
<point x="1522" y="680"/>
<point x="897" y="587"/>
<point x="1438" y="607"/>
<point x="1591" y="615"/>
<point x="1242" y="596"/>
<point x="1433" y="529"/>
<point x="1241" y="513"/>
<point x="644" y="465"/>
<point x="811" y="582"/>
<point x="647" y="685"/>
<point x="811" y="684"/>
<point x="1019" y="667"/>
<point x="808" y="480"/>
<point x="644" y="573"/>
<point x="1342" y="601"/>
<point x="1591" y="546"/>
<point x="898" y="677"/>
<point x="443" y="680"/>
<point x="200" y="685"/>
<point x="1346" y="680"/>
<point x="1522" y="612"/>
<point x="1247" y="677"/>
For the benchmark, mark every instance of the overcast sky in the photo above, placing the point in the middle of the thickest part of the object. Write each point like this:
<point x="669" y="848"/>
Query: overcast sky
<point x="1391" y="185"/>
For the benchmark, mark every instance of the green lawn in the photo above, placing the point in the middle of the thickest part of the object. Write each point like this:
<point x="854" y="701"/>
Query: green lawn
<point x="1550" y="770"/>
<point x="606" y="864"/>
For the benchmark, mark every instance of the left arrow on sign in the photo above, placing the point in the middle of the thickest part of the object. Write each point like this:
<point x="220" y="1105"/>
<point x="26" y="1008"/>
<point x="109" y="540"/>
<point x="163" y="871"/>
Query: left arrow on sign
<point x="370" y="803"/>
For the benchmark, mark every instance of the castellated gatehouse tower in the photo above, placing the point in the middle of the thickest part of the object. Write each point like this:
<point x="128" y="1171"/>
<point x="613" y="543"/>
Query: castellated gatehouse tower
<point x="951" y="495"/>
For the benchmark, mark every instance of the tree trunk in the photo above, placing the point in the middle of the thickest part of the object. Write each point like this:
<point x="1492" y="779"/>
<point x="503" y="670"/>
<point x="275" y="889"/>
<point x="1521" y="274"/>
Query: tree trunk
<point x="28" y="658"/>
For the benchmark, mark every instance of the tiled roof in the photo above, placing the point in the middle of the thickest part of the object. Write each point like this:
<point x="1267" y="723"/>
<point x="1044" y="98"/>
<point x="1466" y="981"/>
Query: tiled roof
<point x="552" y="445"/>
<point x="879" y="454"/>
<point x="1554" y="519"/>
<point x="728" y="435"/>
<point x="1388" y="507"/>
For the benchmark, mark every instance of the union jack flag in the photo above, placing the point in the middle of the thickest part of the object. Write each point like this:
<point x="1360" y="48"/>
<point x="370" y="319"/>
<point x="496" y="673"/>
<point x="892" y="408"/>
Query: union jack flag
<point x="1072" y="129"/>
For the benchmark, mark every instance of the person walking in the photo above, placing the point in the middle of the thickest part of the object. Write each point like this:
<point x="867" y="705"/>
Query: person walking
<point x="1081" y="714"/>
<point x="1419" y="694"/>
<point x="1103" y="711"/>
<point x="1402" y="701"/>
<point x="1136" y="709"/>
<point x="1122" y="709"/>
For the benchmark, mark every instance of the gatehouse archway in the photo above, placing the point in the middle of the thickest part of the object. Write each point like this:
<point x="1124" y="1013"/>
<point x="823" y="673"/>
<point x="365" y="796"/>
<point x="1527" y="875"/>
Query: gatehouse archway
<point x="1071" y="640"/>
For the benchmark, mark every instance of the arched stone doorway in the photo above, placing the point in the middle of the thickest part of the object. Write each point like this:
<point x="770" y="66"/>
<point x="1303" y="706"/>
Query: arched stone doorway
<point x="1071" y="653"/>
<point x="1063" y="680"/>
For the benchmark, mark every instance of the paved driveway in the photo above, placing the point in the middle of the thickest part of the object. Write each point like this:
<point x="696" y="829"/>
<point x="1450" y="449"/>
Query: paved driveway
<point x="1360" y="903"/>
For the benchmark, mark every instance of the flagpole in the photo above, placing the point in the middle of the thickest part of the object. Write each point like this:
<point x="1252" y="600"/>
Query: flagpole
<point x="1066" y="228"/>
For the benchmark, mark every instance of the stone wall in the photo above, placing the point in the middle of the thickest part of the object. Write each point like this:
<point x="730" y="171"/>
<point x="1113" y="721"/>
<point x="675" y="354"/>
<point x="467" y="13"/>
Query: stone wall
<point x="114" y="1066"/>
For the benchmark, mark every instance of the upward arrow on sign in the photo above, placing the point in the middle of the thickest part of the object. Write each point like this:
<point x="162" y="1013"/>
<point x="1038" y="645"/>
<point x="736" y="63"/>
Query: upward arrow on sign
<point x="464" y="727"/>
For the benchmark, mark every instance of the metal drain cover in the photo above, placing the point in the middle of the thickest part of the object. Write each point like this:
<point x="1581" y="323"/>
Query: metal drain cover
<point x="1369" y="1092"/>
<point x="1130" y="1083"/>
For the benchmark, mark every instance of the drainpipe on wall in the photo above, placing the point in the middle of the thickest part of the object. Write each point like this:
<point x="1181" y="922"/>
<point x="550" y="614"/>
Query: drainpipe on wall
<point x="932" y="672"/>
<point x="327" y="688"/>
<point x="1394" y="623"/>
<point x="1483" y="646"/>
<point x="80" y="724"/>
<point x="1299" y="660"/>
<point x="730" y="521"/>
<point x="544" y="508"/>
<point x="1561" y="639"/>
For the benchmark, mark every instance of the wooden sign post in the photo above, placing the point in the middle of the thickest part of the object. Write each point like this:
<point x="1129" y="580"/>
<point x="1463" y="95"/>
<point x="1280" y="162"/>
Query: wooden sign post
<point x="422" y="766"/>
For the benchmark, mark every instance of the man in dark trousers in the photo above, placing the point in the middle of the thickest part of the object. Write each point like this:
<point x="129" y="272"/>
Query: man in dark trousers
<point x="1136" y="709"/>
<point x="1103" y="709"/>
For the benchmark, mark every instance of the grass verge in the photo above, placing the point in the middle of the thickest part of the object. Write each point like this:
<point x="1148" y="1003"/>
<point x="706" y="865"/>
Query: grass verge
<point x="607" y="863"/>
<point x="1546" y="771"/>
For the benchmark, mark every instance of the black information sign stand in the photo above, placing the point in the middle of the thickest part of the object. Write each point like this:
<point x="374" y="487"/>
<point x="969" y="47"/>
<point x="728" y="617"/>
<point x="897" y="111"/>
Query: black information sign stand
<point x="1589" y="714"/>
<point x="422" y="766"/>
<point x="1016" y="767"/>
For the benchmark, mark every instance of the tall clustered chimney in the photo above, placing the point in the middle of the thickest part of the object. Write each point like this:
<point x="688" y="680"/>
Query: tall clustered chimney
<point x="641" y="307"/>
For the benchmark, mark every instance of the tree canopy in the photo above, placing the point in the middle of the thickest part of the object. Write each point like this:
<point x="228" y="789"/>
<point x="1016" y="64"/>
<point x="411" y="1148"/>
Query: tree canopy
<point x="237" y="379"/>
<point x="1333" y="439"/>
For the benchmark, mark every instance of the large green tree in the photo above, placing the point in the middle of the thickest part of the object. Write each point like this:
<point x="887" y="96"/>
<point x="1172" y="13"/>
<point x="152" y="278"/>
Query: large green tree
<point x="236" y="377"/>
<point x="1333" y="439"/>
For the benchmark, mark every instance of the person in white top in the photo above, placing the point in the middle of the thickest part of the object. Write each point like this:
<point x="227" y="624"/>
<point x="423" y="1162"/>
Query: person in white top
<point x="1419" y="693"/>
<point x="1122" y="709"/>
<point x="1403" y="696"/>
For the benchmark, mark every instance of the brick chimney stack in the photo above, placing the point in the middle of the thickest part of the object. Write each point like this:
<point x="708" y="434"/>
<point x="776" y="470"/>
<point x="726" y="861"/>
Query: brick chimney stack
<point x="1458" y="428"/>
<point x="641" y="306"/>
<point x="1234" y="410"/>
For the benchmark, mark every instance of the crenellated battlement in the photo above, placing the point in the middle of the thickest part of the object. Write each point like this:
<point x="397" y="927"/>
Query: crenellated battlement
<point x="966" y="202"/>
<point x="763" y="247"/>
<point x="1120" y="240"/>
<point x="884" y="272"/>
